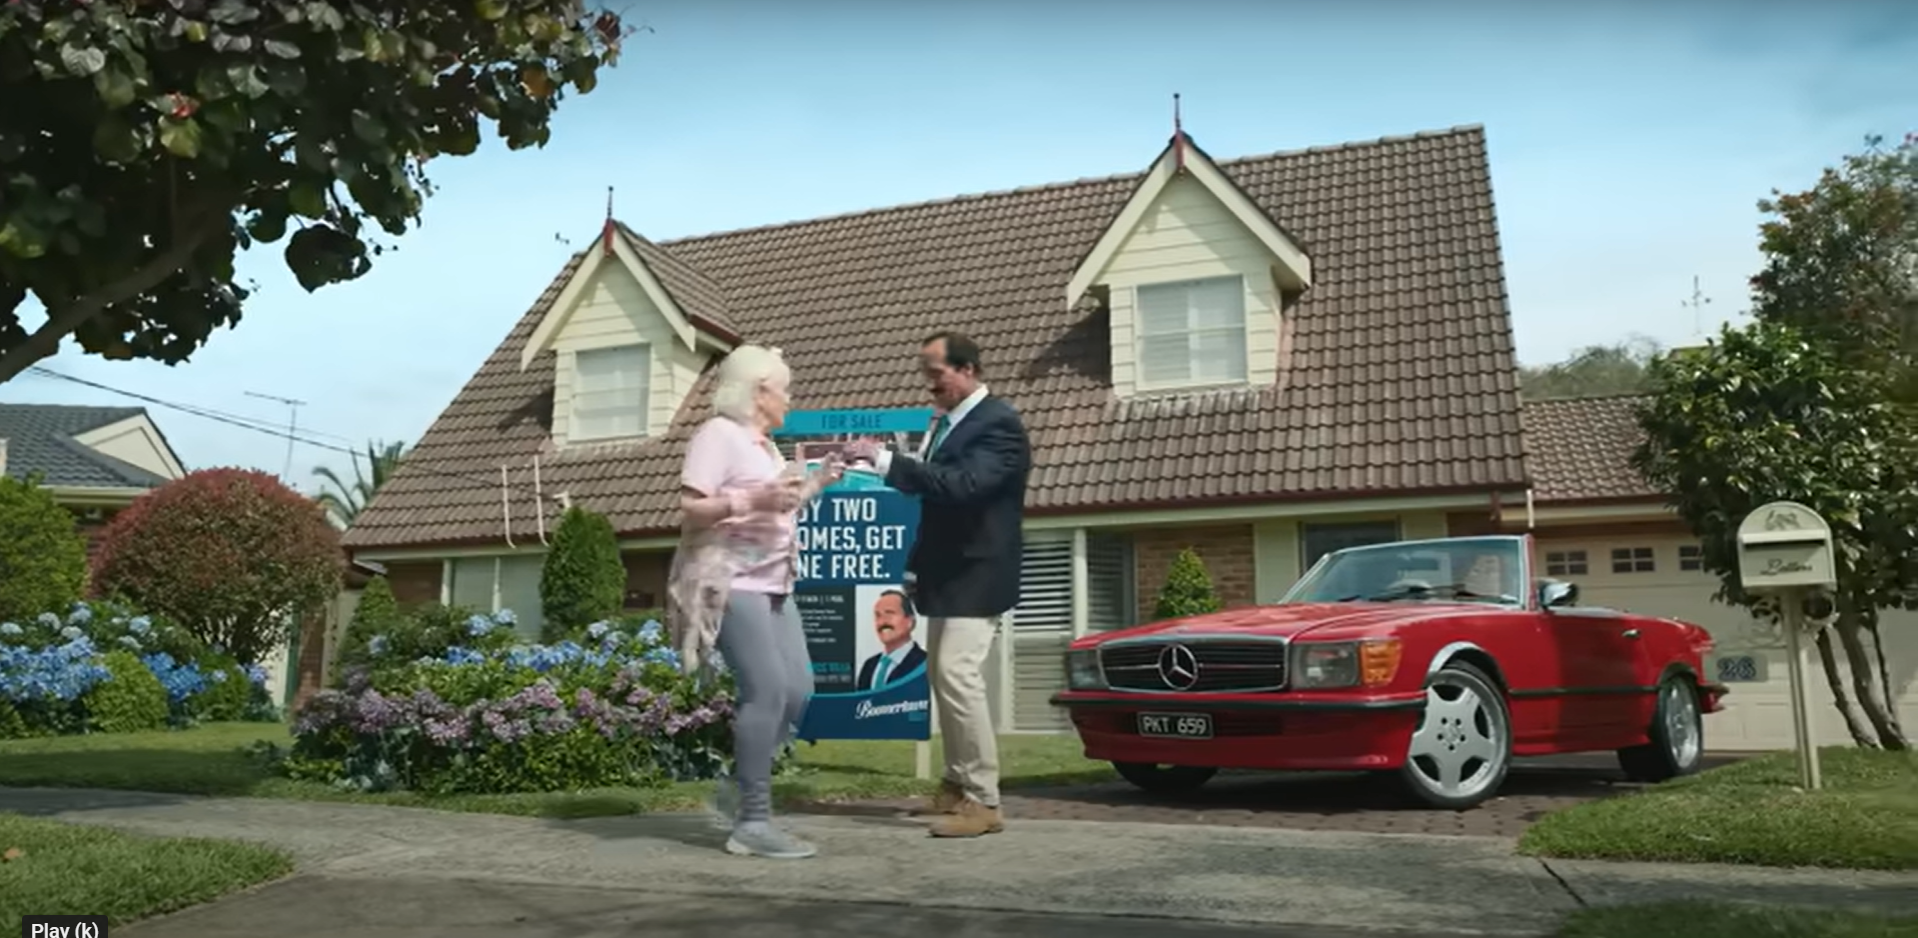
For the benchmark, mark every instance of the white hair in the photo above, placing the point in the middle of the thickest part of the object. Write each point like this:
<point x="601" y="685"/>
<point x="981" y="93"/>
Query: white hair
<point x="743" y="372"/>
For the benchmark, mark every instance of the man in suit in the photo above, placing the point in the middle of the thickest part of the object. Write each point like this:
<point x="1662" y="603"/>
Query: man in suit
<point x="892" y="621"/>
<point x="971" y="481"/>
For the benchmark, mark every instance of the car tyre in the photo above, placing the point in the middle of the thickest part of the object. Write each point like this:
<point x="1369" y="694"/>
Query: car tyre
<point x="1677" y="745"/>
<point x="1462" y="747"/>
<point x="1165" y="779"/>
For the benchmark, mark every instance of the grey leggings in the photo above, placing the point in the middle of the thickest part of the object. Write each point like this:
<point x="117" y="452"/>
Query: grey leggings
<point x="766" y="649"/>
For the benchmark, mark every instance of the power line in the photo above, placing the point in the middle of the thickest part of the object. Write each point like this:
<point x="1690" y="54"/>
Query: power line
<point x="194" y="409"/>
<point x="292" y="425"/>
<point x="245" y="423"/>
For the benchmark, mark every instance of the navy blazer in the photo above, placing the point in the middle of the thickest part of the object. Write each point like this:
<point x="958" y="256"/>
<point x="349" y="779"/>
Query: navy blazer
<point x="972" y="496"/>
<point x="907" y="664"/>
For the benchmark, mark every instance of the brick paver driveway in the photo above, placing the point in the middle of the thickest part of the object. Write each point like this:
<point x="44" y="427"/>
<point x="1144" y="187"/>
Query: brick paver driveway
<point x="1535" y="788"/>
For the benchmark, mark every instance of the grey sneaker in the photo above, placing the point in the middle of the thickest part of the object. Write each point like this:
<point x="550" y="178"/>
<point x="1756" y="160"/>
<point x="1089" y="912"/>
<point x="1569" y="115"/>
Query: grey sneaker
<point x="723" y="804"/>
<point x="761" y="839"/>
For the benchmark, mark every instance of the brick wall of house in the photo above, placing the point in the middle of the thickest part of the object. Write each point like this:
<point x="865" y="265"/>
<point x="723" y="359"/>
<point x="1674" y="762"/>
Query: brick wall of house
<point x="1226" y="549"/>
<point x="646" y="579"/>
<point x="414" y="582"/>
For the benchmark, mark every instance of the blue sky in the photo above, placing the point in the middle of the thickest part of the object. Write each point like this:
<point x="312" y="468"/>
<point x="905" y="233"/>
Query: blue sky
<point x="1629" y="144"/>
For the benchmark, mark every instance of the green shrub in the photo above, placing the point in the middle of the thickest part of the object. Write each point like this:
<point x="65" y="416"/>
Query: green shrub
<point x="43" y="558"/>
<point x="130" y="700"/>
<point x="227" y="699"/>
<point x="583" y="580"/>
<point x="426" y="632"/>
<point x="378" y="613"/>
<point x="1188" y="589"/>
<point x="226" y="553"/>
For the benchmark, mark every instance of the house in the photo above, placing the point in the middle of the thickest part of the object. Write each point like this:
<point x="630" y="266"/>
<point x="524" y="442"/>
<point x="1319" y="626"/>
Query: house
<point x="94" y="460"/>
<point x="1263" y="358"/>
<point x="1597" y="522"/>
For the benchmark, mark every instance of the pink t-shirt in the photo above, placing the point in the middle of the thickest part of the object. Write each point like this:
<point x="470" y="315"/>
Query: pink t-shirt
<point x="723" y="457"/>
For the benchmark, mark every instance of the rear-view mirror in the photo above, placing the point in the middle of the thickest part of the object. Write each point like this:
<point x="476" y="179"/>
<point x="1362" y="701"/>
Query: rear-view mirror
<point x="1554" y="593"/>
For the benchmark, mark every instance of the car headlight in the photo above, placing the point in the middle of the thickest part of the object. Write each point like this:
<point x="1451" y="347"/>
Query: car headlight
<point x="1082" y="670"/>
<point x="1345" y="664"/>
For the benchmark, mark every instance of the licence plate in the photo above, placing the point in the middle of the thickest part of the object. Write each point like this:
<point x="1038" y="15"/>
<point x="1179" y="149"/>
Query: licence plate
<point x="1176" y="725"/>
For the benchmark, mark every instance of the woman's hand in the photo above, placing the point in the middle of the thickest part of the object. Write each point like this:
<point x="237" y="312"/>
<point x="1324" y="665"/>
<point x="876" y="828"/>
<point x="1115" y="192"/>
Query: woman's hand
<point x="778" y="497"/>
<point x="832" y="468"/>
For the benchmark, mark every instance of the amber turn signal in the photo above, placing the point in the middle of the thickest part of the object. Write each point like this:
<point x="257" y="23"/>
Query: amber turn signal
<point x="1379" y="662"/>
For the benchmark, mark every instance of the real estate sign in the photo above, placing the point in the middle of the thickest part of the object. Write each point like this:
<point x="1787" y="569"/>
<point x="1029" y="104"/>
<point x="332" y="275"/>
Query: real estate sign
<point x="865" y="638"/>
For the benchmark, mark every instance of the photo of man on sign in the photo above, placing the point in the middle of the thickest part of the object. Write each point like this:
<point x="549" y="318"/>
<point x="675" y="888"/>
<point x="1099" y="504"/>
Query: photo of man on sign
<point x="899" y="655"/>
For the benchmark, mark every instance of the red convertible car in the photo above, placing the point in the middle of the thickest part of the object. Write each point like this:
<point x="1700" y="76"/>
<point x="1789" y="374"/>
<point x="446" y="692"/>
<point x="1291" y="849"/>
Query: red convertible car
<point x="1436" y="660"/>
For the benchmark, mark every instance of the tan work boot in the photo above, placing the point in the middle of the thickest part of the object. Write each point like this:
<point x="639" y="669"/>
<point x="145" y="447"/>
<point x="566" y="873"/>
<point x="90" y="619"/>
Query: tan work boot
<point x="970" y="819"/>
<point x="945" y="801"/>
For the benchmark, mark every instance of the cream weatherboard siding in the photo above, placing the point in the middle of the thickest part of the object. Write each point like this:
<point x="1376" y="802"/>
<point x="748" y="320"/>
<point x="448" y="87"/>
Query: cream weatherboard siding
<point x="1187" y="234"/>
<point x="613" y="312"/>
<point x="1758" y="714"/>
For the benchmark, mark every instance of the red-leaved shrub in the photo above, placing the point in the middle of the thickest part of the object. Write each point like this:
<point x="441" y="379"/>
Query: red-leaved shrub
<point x="232" y="555"/>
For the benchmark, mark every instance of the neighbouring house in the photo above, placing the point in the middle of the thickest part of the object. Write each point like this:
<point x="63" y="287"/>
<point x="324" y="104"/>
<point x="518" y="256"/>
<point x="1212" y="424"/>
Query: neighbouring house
<point x="1598" y="523"/>
<point x="1263" y="358"/>
<point x="95" y="460"/>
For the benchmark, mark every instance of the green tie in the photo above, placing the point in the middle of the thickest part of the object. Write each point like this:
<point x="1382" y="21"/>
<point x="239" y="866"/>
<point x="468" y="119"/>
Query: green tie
<point x="939" y="433"/>
<point x="881" y="673"/>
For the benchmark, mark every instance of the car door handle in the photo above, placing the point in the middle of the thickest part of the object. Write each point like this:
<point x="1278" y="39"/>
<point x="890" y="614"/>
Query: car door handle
<point x="1631" y="633"/>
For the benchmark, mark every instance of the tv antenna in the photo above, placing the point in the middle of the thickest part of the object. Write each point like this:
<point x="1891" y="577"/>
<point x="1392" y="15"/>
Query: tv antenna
<point x="292" y="426"/>
<point x="1697" y="303"/>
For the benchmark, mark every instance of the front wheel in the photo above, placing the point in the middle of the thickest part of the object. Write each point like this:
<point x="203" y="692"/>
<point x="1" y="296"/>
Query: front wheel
<point x="1677" y="744"/>
<point x="1165" y="779"/>
<point x="1463" y="745"/>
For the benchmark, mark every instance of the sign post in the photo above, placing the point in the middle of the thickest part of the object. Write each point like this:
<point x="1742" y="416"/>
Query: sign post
<point x="1784" y="550"/>
<point x="870" y="678"/>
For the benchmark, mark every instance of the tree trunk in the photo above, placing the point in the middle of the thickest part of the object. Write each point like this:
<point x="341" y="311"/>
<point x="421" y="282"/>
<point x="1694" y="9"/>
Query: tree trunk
<point x="1861" y="730"/>
<point x="1864" y="681"/>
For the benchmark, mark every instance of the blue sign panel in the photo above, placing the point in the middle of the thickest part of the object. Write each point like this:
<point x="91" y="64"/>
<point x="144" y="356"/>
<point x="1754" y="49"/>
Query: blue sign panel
<point x="865" y="638"/>
<point x="856" y="422"/>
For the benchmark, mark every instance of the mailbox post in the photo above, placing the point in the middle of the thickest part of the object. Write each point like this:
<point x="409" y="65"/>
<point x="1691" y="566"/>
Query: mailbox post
<point x="1784" y="550"/>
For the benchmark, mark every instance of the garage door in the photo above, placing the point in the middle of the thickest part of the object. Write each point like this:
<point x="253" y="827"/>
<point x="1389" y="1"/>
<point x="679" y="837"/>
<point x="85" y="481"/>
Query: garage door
<point x="1660" y="575"/>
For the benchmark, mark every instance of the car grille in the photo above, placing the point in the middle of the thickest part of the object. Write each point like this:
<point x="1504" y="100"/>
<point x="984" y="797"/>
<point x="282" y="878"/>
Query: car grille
<point x="1222" y="666"/>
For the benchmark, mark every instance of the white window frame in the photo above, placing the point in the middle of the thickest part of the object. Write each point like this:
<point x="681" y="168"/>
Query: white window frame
<point x="586" y="408"/>
<point x="1171" y="291"/>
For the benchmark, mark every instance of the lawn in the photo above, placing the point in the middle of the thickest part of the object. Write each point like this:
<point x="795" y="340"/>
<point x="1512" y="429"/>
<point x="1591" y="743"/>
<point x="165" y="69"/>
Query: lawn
<point x="71" y="869"/>
<point x="1865" y="817"/>
<point x="211" y="760"/>
<point x="1708" y="920"/>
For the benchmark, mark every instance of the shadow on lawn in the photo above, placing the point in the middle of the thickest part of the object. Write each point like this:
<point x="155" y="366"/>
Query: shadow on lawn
<point x="213" y="772"/>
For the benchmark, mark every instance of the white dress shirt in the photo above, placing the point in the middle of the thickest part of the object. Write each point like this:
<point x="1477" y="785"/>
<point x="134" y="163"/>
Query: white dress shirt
<point x="883" y="462"/>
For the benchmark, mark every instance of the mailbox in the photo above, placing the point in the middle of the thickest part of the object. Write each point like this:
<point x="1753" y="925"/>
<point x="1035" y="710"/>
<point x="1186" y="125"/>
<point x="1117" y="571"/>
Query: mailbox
<point x="1785" y="546"/>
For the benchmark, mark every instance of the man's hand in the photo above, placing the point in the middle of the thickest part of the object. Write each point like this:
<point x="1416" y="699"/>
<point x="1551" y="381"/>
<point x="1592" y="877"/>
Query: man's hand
<point x="865" y="449"/>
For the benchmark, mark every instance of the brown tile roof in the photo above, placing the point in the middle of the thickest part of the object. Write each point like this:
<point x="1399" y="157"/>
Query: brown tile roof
<point x="1580" y="449"/>
<point x="698" y="296"/>
<point x="1397" y="372"/>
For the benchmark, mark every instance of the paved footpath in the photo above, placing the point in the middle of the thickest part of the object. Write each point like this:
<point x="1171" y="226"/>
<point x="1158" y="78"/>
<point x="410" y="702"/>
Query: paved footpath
<point x="400" y="871"/>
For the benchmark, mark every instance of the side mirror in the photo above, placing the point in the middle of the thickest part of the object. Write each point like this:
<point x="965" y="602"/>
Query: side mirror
<point x="1554" y="593"/>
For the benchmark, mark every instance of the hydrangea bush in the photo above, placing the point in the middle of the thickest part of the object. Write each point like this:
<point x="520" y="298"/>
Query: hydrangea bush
<point x="52" y="665"/>
<point x="497" y="714"/>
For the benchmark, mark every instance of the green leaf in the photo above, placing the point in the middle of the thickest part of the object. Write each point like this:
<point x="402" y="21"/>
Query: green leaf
<point x="368" y="128"/>
<point x="82" y="62"/>
<point x="267" y="226"/>
<point x="180" y="136"/>
<point x="22" y="241"/>
<point x="116" y="140"/>
<point x="246" y="79"/>
<point x="224" y="41"/>
<point x="489" y="9"/>
<point x="322" y="254"/>
<point x="323" y="14"/>
<point x="232" y="12"/>
<point x="282" y="49"/>
<point x="307" y="200"/>
<point x="115" y="87"/>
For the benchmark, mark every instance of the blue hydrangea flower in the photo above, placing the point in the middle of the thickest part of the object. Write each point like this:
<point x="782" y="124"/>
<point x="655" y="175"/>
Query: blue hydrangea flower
<point x="505" y="617"/>
<point x="49" y="620"/>
<point x="218" y="677"/>
<point x="651" y="632"/>
<point x="376" y="645"/>
<point x="8" y="628"/>
<point x="256" y="675"/>
<point x="597" y="630"/>
<point x="72" y="633"/>
<point x="478" y="625"/>
<point x="81" y="614"/>
<point x="140" y="625"/>
<point x="130" y="642"/>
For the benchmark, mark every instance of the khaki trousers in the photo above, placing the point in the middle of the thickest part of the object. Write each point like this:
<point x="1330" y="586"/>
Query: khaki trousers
<point x="957" y="649"/>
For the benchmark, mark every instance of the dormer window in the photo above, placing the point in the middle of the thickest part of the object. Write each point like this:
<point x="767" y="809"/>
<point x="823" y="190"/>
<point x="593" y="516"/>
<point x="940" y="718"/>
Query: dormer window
<point x="1192" y="332"/>
<point x="611" y="392"/>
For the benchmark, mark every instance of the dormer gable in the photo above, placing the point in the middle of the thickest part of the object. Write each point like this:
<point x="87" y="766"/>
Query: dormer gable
<point x="630" y="332"/>
<point x="1196" y="276"/>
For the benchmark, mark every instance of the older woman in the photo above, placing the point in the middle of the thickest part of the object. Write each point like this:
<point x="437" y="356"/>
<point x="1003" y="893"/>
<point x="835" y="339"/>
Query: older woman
<point x="732" y="579"/>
